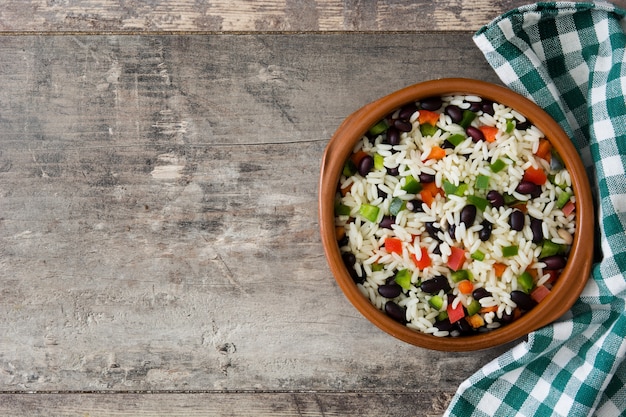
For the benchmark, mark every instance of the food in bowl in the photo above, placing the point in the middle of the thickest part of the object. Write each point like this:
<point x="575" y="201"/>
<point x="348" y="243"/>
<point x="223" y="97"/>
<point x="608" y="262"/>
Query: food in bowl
<point x="454" y="215"/>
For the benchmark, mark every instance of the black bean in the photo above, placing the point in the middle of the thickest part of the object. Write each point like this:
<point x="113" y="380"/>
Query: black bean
<point x="407" y="111"/>
<point x="536" y="226"/>
<point x="393" y="136"/>
<point x="480" y="292"/>
<point x="526" y="187"/>
<point x="468" y="215"/>
<point x="495" y="199"/>
<point x="431" y="103"/>
<point x="433" y="230"/>
<point x="485" y="233"/>
<point x="446" y="144"/>
<point x="381" y="193"/>
<point x="487" y="107"/>
<point x="355" y="277"/>
<point x="387" y="221"/>
<point x="536" y="192"/>
<point x="395" y="311"/>
<point x="348" y="258"/>
<point x="452" y="231"/>
<point x="391" y="290"/>
<point x="415" y="206"/>
<point x="444" y="325"/>
<point x="402" y="125"/>
<point x="455" y="113"/>
<point x="516" y="220"/>
<point x="451" y="298"/>
<point x="523" y="300"/>
<point x="426" y="178"/>
<point x="522" y="125"/>
<point x="506" y="317"/>
<point x="464" y="326"/>
<point x="475" y="134"/>
<point x="475" y="106"/>
<point x="435" y="284"/>
<point x="365" y="165"/>
<point x="393" y="171"/>
<point x="554" y="262"/>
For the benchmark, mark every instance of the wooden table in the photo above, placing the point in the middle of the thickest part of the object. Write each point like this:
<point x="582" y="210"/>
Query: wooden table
<point x="159" y="244"/>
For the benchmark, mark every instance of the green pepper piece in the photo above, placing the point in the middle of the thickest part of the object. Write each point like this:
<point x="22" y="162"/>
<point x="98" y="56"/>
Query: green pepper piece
<point x="396" y="206"/>
<point x="549" y="248"/>
<point x="563" y="198"/>
<point x="509" y="251"/>
<point x="552" y="179"/>
<point x="349" y="169"/>
<point x="461" y="189"/>
<point x="497" y="165"/>
<point x="411" y="185"/>
<point x="479" y="202"/>
<point x="510" y="125"/>
<point x="403" y="278"/>
<point x="342" y="210"/>
<point x="377" y="267"/>
<point x="458" y="190"/>
<point x="460" y="275"/>
<point x="449" y="188"/>
<point x="509" y="200"/>
<point x="369" y="212"/>
<point x="436" y="301"/>
<point x="473" y="307"/>
<point x="428" y="130"/>
<point x="379" y="128"/>
<point x="379" y="161"/>
<point x="442" y="315"/>
<point x="478" y="256"/>
<point x="468" y="117"/>
<point x="456" y="139"/>
<point x="556" y="162"/>
<point x="526" y="282"/>
<point x="482" y="182"/>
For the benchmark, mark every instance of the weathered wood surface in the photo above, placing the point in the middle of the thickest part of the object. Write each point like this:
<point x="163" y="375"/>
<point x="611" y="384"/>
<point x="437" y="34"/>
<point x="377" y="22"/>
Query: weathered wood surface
<point x="258" y="404"/>
<point x="250" y="16"/>
<point x="158" y="225"/>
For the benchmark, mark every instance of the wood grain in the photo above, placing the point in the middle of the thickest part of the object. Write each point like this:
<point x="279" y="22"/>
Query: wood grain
<point x="257" y="404"/>
<point x="158" y="224"/>
<point x="98" y="16"/>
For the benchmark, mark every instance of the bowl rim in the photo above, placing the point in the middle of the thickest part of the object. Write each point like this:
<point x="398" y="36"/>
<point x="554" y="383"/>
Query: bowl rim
<point x="580" y="259"/>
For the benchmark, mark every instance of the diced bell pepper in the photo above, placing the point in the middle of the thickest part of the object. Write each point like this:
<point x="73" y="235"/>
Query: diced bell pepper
<point x="436" y="302"/>
<point x="393" y="245"/>
<point x="509" y="251"/>
<point x="455" y="314"/>
<point x="403" y="278"/>
<point x="396" y="206"/>
<point x="525" y="282"/>
<point x="379" y="128"/>
<point x="411" y="185"/>
<point x="456" y="258"/>
<point x="369" y="212"/>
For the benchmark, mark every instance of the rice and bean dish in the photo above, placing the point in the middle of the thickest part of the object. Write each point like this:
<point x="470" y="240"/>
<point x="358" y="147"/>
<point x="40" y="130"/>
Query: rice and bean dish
<point x="454" y="215"/>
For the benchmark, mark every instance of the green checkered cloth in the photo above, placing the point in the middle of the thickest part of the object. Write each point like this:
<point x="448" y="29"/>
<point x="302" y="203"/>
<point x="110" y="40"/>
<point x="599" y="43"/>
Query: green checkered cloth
<point x="568" y="58"/>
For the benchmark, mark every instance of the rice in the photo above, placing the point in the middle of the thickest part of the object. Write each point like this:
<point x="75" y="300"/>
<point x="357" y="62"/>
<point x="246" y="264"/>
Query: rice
<point x="430" y="226"/>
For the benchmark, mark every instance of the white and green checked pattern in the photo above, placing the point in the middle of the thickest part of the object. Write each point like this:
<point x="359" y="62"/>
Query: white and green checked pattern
<point x="568" y="58"/>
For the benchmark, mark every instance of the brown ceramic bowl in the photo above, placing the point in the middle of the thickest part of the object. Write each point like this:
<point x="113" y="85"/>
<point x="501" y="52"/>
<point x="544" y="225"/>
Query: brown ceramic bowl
<point x="573" y="277"/>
